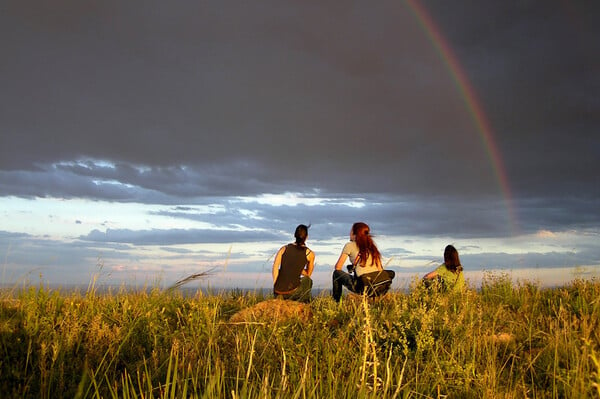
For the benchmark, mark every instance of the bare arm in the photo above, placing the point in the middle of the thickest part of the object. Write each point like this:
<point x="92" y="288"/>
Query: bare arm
<point x="430" y="275"/>
<point x="310" y="265"/>
<point x="277" y="263"/>
<point x="341" y="261"/>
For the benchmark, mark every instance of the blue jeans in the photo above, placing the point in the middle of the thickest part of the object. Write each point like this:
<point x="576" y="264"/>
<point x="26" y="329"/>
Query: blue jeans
<point x="343" y="279"/>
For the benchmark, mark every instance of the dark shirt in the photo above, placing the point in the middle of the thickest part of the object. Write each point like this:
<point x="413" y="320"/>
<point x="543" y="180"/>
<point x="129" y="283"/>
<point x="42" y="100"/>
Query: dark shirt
<point x="293" y="261"/>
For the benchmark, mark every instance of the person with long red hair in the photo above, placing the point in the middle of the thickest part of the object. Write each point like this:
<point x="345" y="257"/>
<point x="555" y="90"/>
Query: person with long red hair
<point x="364" y="257"/>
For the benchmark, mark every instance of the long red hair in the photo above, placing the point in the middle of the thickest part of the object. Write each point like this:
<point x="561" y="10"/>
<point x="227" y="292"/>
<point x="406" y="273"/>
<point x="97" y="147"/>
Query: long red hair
<point x="365" y="243"/>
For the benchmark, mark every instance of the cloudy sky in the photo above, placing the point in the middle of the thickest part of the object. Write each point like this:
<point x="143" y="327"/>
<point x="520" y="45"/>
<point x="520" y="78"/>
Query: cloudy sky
<point x="141" y="142"/>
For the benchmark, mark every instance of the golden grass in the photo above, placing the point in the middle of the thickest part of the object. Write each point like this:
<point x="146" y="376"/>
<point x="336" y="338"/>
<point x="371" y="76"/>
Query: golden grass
<point x="503" y="341"/>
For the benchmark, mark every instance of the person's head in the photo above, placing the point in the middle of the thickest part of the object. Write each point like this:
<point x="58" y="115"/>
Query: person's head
<point x="366" y="246"/>
<point x="359" y="229"/>
<point x="451" y="259"/>
<point x="301" y="234"/>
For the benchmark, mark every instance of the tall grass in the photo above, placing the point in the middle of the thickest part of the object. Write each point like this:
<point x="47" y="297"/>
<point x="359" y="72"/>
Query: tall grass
<point x="503" y="341"/>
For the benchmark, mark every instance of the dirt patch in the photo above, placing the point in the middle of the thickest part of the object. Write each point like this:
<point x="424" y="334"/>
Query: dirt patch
<point x="273" y="310"/>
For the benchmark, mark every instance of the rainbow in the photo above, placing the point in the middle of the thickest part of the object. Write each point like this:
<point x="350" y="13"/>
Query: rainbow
<point x="471" y="101"/>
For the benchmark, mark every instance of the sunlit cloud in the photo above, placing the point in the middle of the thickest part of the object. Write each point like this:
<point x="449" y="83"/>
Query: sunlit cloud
<point x="295" y="199"/>
<point x="545" y="234"/>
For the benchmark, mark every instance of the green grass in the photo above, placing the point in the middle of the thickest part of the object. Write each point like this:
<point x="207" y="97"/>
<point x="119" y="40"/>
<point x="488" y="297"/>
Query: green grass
<point x="503" y="341"/>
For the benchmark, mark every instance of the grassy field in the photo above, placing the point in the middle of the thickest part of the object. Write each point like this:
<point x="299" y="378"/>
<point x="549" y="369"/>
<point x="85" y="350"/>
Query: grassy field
<point x="501" y="341"/>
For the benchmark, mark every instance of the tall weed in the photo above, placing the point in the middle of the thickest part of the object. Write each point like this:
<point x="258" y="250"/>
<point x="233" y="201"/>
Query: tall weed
<point x="505" y="341"/>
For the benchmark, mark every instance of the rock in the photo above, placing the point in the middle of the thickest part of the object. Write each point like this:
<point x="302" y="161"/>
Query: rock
<point x="273" y="310"/>
<point x="503" y="337"/>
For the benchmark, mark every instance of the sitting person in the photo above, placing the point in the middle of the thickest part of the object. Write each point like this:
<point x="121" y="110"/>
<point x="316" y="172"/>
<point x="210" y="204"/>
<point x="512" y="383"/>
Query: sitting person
<point x="292" y="268"/>
<point x="449" y="275"/>
<point x="366" y="263"/>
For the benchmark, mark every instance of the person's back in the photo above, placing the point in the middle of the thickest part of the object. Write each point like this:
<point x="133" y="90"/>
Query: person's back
<point x="449" y="275"/>
<point x="369" y="265"/>
<point x="369" y="276"/>
<point x="451" y="281"/>
<point x="292" y="268"/>
<point x="293" y="261"/>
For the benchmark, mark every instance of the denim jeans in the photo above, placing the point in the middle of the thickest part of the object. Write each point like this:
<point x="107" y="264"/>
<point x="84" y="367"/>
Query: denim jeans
<point x="343" y="279"/>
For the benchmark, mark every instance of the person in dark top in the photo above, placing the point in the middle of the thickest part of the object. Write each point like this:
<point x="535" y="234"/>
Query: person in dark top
<point x="292" y="268"/>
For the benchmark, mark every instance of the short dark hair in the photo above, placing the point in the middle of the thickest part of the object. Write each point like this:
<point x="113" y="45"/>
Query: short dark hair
<point x="301" y="233"/>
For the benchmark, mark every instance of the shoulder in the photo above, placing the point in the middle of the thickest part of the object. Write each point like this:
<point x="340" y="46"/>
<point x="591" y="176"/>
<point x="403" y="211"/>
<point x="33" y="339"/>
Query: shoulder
<point x="295" y="247"/>
<point x="282" y="249"/>
<point x="309" y="253"/>
<point x="350" y="247"/>
<point x="442" y="268"/>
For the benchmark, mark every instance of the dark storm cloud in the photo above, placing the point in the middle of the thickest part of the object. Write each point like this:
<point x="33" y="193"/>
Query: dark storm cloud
<point x="295" y="92"/>
<point x="389" y="215"/>
<point x="166" y="103"/>
<point x="176" y="236"/>
<point x="574" y="211"/>
<point x="128" y="183"/>
<point x="333" y="214"/>
<point x="28" y="258"/>
<point x="534" y="65"/>
<point x="386" y="215"/>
